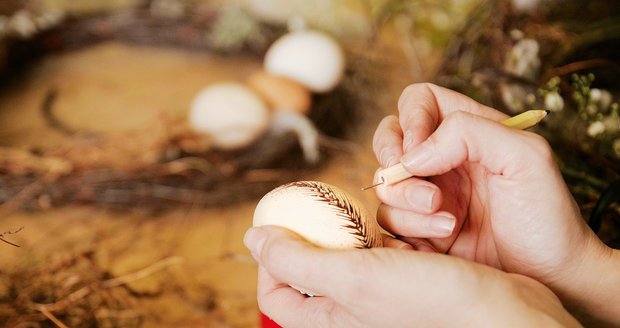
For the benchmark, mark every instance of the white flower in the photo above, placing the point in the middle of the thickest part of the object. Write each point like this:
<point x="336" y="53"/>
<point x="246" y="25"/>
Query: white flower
<point x="49" y="19"/>
<point x="596" y="128"/>
<point x="513" y="97"/>
<point x="525" y="5"/>
<point x="22" y="24"/>
<point x="523" y="59"/>
<point x="595" y="94"/>
<point x="554" y="102"/>
<point x="601" y="98"/>
<point x="517" y="34"/>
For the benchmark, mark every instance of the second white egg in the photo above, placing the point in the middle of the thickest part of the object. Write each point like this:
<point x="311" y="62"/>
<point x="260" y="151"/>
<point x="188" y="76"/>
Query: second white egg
<point x="230" y="113"/>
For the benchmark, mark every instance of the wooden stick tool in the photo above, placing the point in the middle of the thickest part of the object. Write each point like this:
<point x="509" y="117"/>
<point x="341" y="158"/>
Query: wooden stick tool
<point x="397" y="172"/>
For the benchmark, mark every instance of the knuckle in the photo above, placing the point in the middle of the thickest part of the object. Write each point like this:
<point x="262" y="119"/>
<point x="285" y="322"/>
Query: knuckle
<point x="457" y="118"/>
<point x="415" y="89"/>
<point x="540" y="146"/>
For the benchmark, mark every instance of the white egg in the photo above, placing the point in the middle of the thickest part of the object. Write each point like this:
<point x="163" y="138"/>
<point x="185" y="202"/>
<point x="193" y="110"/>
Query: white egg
<point x="230" y="113"/>
<point x="321" y="213"/>
<point x="311" y="58"/>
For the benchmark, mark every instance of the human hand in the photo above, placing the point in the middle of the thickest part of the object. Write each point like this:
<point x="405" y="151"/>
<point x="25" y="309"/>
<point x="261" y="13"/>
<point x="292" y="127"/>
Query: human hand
<point x="493" y="195"/>
<point x="385" y="287"/>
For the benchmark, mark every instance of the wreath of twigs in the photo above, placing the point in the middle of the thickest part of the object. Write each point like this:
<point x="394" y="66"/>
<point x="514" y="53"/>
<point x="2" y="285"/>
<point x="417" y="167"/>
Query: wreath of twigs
<point x="575" y="39"/>
<point x="173" y="167"/>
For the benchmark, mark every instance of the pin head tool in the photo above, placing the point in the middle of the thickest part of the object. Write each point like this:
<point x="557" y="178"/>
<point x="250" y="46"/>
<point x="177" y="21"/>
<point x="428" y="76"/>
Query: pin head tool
<point x="373" y="186"/>
<point x="391" y="175"/>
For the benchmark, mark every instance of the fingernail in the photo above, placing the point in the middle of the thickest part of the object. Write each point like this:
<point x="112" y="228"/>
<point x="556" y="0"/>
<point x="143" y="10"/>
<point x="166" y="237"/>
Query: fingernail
<point x="420" y="197"/>
<point x="442" y="225"/>
<point x="417" y="157"/>
<point x="254" y="240"/>
<point x="407" y="140"/>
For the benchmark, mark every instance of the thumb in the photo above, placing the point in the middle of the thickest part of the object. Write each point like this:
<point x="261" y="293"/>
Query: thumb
<point x="290" y="259"/>
<point x="464" y="137"/>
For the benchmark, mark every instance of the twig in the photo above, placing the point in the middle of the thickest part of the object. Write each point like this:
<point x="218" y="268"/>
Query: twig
<point x="10" y="233"/>
<point x="111" y="283"/>
<point x="141" y="274"/>
<point x="580" y="65"/>
<point x="53" y="318"/>
<point x="48" y="113"/>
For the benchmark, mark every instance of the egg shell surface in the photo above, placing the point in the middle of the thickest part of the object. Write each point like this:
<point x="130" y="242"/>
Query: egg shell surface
<point x="311" y="58"/>
<point x="321" y="213"/>
<point x="230" y="113"/>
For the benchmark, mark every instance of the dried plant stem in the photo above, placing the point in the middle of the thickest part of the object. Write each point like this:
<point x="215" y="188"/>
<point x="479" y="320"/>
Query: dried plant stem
<point x="10" y="233"/>
<point x="111" y="283"/>
<point x="141" y="274"/>
<point x="53" y="318"/>
<point x="579" y="66"/>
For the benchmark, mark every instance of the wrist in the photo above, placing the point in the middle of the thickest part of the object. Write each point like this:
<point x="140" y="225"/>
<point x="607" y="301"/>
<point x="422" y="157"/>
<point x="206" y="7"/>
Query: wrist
<point x="527" y="303"/>
<point x="592" y="293"/>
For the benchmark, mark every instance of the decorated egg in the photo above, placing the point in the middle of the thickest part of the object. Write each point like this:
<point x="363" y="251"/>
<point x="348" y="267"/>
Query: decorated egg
<point x="280" y="93"/>
<point x="322" y="214"/>
<point x="230" y="113"/>
<point x="311" y="58"/>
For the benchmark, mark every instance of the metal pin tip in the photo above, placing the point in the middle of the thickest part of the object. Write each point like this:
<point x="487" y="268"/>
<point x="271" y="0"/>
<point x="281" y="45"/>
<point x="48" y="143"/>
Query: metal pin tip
<point x="373" y="186"/>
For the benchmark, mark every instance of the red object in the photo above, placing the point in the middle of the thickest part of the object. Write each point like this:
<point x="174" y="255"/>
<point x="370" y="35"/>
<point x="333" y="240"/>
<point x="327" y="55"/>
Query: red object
<point x="265" y="322"/>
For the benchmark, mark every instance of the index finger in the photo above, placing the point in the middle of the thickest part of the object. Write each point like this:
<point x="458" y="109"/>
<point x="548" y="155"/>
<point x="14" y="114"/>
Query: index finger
<point x="387" y="142"/>
<point x="422" y="107"/>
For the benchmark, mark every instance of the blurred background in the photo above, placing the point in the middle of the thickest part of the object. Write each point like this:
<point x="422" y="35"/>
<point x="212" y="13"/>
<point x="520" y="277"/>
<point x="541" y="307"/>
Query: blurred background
<point x="128" y="176"/>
